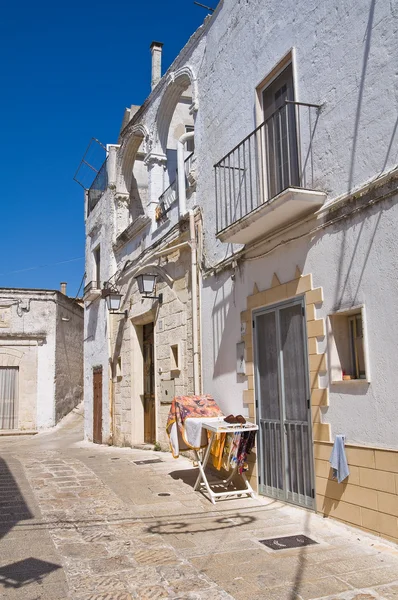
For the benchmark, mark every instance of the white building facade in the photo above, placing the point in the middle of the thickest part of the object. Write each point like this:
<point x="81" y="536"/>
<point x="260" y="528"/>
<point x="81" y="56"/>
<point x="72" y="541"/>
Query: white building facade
<point x="41" y="358"/>
<point x="281" y="300"/>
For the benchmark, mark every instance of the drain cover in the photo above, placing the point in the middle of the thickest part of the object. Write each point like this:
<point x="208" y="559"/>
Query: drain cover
<point x="150" y="461"/>
<point x="164" y="494"/>
<point x="291" y="541"/>
<point x="115" y="458"/>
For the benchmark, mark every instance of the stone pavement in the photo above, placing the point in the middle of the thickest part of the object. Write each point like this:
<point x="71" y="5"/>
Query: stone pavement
<point x="87" y="522"/>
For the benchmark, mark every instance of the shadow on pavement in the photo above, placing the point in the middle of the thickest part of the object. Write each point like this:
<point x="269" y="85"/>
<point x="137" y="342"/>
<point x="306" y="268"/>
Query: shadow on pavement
<point x="24" y="572"/>
<point x="172" y="527"/>
<point x="13" y="507"/>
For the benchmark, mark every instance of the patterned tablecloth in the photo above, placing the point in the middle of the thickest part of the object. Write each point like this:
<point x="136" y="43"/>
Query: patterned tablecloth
<point x="184" y="423"/>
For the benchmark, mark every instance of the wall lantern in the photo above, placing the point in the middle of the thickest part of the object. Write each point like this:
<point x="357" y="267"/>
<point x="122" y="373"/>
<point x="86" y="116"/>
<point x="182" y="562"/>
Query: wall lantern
<point x="113" y="299"/>
<point x="146" y="285"/>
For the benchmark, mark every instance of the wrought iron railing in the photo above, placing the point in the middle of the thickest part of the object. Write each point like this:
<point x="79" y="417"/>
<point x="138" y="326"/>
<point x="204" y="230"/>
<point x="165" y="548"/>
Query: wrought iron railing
<point x="170" y="195"/>
<point x="166" y="201"/>
<point x="275" y="156"/>
<point x="188" y="164"/>
<point x="98" y="187"/>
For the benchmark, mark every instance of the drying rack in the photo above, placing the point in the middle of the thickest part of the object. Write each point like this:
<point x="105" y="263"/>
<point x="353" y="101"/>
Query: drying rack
<point x="220" y="426"/>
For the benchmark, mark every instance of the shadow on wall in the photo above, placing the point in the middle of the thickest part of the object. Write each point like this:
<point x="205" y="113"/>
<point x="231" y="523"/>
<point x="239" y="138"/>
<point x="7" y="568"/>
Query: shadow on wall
<point x="358" y="237"/>
<point x="333" y="494"/>
<point x="92" y="321"/>
<point x="222" y="321"/>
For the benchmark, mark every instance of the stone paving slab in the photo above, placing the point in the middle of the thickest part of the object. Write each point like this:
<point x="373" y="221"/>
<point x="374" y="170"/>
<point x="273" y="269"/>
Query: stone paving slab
<point x="96" y="515"/>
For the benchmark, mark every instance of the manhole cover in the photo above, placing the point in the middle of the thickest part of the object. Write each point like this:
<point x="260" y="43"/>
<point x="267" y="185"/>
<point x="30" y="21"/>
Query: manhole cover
<point x="164" y="494"/>
<point x="150" y="461"/>
<point x="291" y="541"/>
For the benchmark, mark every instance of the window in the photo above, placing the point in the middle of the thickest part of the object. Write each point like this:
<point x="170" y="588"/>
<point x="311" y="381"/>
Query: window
<point x="175" y="360"/>
<point x="347" y="346"/>
<point x="356" y="341"/>
<point x="97" y="266"/>
<point x="190" y="145"/>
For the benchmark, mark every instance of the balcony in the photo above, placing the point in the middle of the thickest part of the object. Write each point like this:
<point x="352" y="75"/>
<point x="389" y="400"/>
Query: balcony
<point x="265" y="183"/>
<point x="92" y="291"/>
<point x="97" y="188"/>
<point x="170" y="195"/>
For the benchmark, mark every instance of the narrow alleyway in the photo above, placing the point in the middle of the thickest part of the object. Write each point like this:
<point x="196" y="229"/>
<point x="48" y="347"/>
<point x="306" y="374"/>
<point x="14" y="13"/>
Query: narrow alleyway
<point x="88" y="522"/>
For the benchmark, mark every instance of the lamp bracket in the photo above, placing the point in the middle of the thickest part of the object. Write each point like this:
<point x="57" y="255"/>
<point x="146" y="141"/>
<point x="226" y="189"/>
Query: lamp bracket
<point x="159" y="298"/>
<point x="124" y="312"/>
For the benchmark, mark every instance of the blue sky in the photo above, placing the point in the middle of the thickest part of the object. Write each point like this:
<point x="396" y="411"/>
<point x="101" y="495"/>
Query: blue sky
<point x="67" y="73"/>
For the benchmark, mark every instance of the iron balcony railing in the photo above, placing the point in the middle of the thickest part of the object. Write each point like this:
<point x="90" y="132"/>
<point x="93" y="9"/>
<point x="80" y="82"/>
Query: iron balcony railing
<point x="170" y="195"/>
<point x="275" y="156"/>
<point x="98" y="187"/>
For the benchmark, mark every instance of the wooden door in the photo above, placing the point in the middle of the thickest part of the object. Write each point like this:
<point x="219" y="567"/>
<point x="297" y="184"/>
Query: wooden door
<point x="97" y="406"/>
<point x="149" y="385"/>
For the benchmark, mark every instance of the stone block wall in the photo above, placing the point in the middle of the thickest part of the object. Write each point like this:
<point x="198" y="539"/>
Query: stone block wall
<point x="24" y="357"/>
<point x="68" y="356"/>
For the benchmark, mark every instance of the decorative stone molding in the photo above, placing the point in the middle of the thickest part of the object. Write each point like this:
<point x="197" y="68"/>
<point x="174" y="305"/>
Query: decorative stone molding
<point x="278" y="292"/>
<point x="177" y="82"/>
<point x="131" y="231"/>
<point x="95" y="229"/>
<point x="155" y="158"/>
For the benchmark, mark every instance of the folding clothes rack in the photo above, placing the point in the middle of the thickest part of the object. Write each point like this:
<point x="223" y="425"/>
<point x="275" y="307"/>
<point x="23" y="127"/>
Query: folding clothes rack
<point x="220" y="426"/>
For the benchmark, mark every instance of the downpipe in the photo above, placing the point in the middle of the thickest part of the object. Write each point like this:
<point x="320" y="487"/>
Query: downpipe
<point x="182" y="209"/>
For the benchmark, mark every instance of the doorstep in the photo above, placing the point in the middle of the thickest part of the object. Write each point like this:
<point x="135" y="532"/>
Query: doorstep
<point x="7" y="432"/>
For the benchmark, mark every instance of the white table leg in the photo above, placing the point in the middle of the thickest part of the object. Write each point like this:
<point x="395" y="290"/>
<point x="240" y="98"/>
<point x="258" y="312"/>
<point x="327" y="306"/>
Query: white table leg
<point x="202" y="466"/>
<point x="203" y="479"/>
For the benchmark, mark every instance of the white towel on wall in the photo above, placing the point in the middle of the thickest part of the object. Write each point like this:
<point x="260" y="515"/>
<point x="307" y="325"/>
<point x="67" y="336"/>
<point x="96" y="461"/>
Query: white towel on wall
<point x="338" y="459"/>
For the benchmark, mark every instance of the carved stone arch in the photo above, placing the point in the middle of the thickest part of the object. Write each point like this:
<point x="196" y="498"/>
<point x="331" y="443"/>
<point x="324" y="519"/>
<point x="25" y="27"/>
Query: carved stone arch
<point x="156" y="269"/>
<point x="127" y="154"/>
<point x="10" y="357"/>
<point x="178" y="81"/>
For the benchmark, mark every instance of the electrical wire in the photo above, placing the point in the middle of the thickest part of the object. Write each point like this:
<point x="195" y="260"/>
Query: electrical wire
<point x="61" y="262"/>
<point x="80" y="287"/>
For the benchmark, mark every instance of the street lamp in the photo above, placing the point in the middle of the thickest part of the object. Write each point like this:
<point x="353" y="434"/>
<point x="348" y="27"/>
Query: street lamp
<point x="113" y="298"/>
<point x="146" y="286"/>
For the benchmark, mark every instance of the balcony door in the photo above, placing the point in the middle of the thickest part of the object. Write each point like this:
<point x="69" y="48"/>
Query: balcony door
<point x="283" y="405"/>
<point x="280" y="135"/>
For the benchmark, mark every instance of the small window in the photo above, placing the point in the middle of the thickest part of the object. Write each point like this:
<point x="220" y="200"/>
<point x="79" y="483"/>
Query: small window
<point x="190" y="145"/>
<point x="347" y="346"/>
<point x="357" y="370"/>
<point x="175" y="360"/>
<point x="97" y="267"/>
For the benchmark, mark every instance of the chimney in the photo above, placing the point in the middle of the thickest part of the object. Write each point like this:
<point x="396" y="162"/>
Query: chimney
<point x="156" y="50"/>
<point x="63" y="287"/>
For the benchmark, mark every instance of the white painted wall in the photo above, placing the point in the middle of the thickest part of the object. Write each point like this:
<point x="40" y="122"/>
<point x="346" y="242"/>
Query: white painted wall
<point x="344" y="57"/>
<point x="31" y="320"/>
<point x="354" y="262"/>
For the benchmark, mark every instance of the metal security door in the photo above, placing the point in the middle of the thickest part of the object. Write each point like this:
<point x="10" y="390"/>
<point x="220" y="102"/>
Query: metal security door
<point x="8" y="397"/>
<point x="97" y="406"/>
<point x="149" y="385"/>
<point x="284" y="411"/>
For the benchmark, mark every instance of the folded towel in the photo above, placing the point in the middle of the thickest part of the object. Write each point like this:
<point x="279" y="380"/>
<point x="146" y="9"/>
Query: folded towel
<point x="338" y="460"/>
